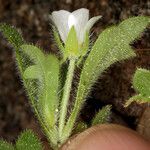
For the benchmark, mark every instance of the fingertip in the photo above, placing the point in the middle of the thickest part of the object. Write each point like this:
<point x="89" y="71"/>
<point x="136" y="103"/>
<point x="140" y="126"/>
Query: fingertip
<point x="107" y="137"/>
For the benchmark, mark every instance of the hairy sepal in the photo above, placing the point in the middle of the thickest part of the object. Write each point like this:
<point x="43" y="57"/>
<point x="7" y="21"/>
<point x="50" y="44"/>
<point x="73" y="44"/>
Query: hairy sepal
<point x="71" y="44"/>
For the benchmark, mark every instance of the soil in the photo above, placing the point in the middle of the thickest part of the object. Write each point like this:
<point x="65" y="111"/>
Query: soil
<point x="113" y="87"/>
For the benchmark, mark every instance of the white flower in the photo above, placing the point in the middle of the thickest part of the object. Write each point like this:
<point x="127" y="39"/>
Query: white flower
<point x="64" y="20"/>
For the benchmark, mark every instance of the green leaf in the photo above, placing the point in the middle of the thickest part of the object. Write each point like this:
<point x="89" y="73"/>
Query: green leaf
<point x="141" y="82"/>
<point x="28" y="141"/>
<point x="111" y="46"/>
<point x="16" y="40"/>
<point x="71" y="45"/>
<point x="23" y="61"/>
<point x="5" y="146"/>
<point x="131" y="28"/>
<point x="46" y="71"/>
<point x="102" y="116"/>
<point x="85" y="46"/>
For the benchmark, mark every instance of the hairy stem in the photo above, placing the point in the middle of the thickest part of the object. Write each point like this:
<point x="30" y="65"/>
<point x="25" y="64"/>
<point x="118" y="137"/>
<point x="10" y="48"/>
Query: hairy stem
<point x="66" y="95"/>
<point x="71" y="121"/>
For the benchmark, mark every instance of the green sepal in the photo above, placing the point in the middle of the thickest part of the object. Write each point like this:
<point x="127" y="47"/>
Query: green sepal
<point x="28" y="141"/>
<point x="85" y="46"/>
<point x="6" y="146"/>
<point x="58" y="41"/>
<point x="102" y="116"/>
<point x="71" y="44"/>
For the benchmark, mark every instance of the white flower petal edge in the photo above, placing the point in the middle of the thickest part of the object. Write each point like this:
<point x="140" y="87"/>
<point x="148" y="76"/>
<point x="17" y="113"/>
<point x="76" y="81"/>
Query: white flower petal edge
<point x="60" y="19"/>
<point x="82" y="17"/>
<point x="64" y="20"/>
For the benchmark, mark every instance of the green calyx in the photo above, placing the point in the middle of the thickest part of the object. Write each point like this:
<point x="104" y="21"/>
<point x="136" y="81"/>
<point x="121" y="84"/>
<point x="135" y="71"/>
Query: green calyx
<point x="72" y="47"/>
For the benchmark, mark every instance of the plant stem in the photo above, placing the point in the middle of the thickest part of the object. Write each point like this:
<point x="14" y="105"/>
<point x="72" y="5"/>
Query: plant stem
<point x="66" y="95"/>
<point x="79" y="100"/>
<point x="71" y="121"/>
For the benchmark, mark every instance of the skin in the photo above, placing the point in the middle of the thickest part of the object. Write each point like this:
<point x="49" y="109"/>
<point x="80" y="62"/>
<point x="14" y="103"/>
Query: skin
<point x="107" y="137"/>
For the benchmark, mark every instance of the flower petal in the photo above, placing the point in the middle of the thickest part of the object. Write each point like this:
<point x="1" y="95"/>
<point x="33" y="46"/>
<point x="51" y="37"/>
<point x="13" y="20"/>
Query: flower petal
<point x="90" y="23"/>
<point x="60" y="18"/>
<point x="82" y="17"/>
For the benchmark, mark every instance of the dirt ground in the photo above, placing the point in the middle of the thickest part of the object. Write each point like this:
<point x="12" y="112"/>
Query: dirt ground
<point x="114" y="87"/>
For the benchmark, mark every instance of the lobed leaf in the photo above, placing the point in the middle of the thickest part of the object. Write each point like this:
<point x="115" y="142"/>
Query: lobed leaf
<point x="26" y="60"/>
<point x="111" y="46"/>
<point x="46" y="70"/>
<point x="132" y="28"/>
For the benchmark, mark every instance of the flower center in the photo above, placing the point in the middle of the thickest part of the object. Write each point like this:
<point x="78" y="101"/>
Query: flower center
<point x="71" y="21"/>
